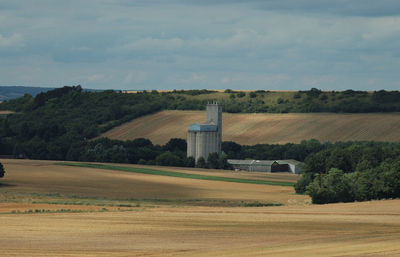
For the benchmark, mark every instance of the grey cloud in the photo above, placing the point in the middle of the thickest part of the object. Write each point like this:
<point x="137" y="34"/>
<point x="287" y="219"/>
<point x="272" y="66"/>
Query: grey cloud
<point x="198" y="44"/>
<point x="336" y="7"/>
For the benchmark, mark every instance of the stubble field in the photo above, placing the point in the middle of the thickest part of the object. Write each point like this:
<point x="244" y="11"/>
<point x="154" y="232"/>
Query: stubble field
<point x="76" y="211"/>
<point x="260" y="128"/>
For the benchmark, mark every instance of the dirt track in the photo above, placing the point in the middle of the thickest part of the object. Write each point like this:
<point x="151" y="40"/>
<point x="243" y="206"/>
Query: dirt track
<point x="250" y="129"/>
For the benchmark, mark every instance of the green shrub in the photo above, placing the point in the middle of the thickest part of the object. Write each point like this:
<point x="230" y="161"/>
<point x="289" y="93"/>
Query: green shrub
<point x="333" y="187"/>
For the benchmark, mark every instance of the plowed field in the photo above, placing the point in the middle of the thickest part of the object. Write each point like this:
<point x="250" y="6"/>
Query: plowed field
<point x="252" y="129"/>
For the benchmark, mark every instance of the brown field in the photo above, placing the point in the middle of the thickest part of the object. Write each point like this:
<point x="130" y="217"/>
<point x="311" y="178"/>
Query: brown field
<point x="252" y="129"/>
<point x="178" y="228"/>
<point x="30" y="176"/>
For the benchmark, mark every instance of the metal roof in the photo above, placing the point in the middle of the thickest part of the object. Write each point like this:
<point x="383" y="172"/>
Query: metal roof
<point x="262" y="162"/>
<point x="251" y="162"/>
<point x="202" y="127"/>
<point x="293" y="162"/>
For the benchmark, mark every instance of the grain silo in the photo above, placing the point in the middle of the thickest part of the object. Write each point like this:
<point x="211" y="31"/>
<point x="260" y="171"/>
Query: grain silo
<point x="203" y="139"/>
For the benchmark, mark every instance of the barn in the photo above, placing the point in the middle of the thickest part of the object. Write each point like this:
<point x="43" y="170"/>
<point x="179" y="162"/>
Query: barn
<point x="292" y="166"/>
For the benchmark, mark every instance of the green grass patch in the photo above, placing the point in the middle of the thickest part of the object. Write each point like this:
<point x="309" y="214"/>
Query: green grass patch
<point x="177" y="174"/>
<point x="260" y="204"/>
<point x="87" y="202"/>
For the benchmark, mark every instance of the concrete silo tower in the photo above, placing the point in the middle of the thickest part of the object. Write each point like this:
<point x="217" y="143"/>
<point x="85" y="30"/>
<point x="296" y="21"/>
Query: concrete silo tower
<point x="206" y="138"/>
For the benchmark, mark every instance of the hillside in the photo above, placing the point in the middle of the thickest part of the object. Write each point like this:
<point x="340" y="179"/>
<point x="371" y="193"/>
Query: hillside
<point x="250" y="129"/>
<point x="12" y="92"/>
<point x="57" y="124"/>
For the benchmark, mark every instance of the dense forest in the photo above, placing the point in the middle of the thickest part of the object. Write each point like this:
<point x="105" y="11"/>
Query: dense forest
<point x="62" y="124"/>
<point x="352" y="171"/>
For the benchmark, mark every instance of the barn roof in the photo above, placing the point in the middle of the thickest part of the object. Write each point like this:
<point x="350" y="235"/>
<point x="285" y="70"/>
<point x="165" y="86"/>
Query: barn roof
<point x="251" y="162"/>
<point x="262" y="162"/>
<point x="294" y="162"/>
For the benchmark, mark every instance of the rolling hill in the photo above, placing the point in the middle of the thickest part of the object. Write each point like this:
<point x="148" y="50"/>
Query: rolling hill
<point x="250" y="129"/>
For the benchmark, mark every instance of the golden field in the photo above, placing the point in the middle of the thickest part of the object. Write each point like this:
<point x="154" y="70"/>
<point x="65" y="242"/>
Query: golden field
<point x="253" y="129"/>
<point x="91" y="212"/>
<point x="43" y="177"/>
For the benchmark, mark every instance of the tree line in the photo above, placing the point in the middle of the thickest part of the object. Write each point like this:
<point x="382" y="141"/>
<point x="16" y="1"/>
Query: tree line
<point x="352" y="171"/>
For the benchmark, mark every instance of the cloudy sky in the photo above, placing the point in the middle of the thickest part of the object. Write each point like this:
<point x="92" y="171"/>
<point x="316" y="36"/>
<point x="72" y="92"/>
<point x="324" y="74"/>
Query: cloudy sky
<point x="214" y="44"/>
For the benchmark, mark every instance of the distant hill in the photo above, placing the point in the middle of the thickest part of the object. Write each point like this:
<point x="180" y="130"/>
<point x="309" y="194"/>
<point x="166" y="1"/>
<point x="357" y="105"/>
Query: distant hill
<point x="12" y="92"/>
<point x="250" y="129"/>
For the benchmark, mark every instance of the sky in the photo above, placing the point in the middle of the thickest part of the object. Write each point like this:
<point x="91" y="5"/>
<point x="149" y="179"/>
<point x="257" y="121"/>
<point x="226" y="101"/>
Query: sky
<point x="201" y="44"/>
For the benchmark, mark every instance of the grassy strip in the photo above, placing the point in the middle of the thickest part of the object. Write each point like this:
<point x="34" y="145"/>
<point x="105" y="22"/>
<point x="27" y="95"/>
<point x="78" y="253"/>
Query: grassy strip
<point x="31" y="211"/>
<point x="58" y="199"/>
<point x="176" y="174"/>
<point x="87" y="203"/>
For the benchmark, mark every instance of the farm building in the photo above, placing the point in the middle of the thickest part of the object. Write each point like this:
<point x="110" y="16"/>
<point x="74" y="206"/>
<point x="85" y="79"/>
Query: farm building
<point x="292" y="166"/>
<point x="203" y="139"/>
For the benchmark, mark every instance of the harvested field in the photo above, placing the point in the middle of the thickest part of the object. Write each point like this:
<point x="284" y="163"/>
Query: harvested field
<point x="44" y="177"/>
<point x="366" y="229"/>
<point x="90" y="212"/>
<point x="266" y="128"/>
<point x="27" y="208"/>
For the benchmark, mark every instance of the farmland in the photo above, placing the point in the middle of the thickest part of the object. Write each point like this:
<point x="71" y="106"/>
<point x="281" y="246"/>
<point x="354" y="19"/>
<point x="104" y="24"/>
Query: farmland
<point x="43" y="177"/>
<point x="266" y="128"/>
<point x="57" y="210"/>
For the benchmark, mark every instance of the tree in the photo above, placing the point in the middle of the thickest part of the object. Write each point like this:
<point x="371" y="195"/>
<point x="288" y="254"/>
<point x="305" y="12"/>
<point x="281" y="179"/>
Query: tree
<point x="189" y="161"/>
<point x="168" y="159"/>
<point x="223" y="162"/>
<point x="176" y="144"/>
<point x="241" y="94"/>
<point x="201" y="163"/>
<point x="212" y="160"/>
<point x="335" y="186"/>
<point x="2" y="171"/>
<point x="303" y="182"/>
<point x="232" y="149"/>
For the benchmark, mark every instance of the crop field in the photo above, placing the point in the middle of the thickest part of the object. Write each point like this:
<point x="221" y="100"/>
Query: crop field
<point x="48" y="208"/>
<point x="266" y="128"/>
